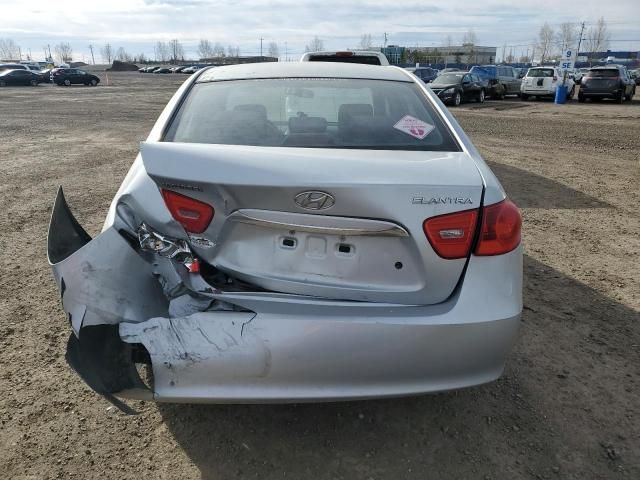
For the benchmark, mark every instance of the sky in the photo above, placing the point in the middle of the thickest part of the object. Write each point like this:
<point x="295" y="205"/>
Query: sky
<point x="137" y="25"/>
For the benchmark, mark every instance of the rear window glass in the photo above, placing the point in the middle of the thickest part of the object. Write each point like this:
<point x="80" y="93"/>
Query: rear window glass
<point x="540" y="72"/>
<point x="448" y="78"/>
<point x="366" y="59"/>
<point x="484" y="72"/>
<point x="311" y="112"/>
<point x="604" y="73"/>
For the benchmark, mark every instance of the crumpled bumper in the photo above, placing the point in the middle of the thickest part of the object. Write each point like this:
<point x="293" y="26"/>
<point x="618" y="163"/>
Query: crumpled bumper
<point x="269" y="346"/>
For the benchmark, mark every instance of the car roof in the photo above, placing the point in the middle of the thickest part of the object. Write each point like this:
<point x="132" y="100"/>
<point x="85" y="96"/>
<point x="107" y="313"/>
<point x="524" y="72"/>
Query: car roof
<point x="304" y="70"/>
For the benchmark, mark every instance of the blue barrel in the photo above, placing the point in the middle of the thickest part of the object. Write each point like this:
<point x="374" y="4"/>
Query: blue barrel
<point x="561" y="94"/>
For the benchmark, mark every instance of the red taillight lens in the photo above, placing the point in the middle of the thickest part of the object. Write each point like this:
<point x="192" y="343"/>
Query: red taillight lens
<point x="451" y="235"/>
<point x="501" y="226"/>
<point x="194" y="215"/>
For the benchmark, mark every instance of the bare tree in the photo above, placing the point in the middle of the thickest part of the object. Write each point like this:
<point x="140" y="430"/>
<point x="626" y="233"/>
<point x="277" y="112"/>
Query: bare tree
<point x="9" y="50"/>
<point x="470" y="40"/>
<point x="63" y="52"/>
<point x="274" y="51"/>
<point x="233" y="51"/>
<point x="366" y="42"/>
<point x="598" y="37"/>
<point x="544" y="43"/>
<point x="107" y="53"/>
<point x="205" y="49"/>
<point x="176" y="51"/>
<point x="122" y="55"/>
<point x="566" y="37"/>
<point x="470" y="37"/>
<point x="316" y="45"/>
<point x="448" y="43"/>
<point x="161" y="51"/>
<point x="218" y="50"/>
<point x="141" y="58"/>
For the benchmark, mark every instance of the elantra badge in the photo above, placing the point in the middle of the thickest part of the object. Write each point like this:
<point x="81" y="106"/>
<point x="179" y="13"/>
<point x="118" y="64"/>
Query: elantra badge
<point x="441" y="200"/>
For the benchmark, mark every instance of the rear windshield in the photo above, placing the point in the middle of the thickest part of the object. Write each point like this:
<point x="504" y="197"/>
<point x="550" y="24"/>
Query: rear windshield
<point x="448" y="78"/>
<point x="366" y="59"/>
<point x="311" y="112"/>
<point x="484" y="72"/>
<point x="540" y="72"/>
<point x="603" y="73"/>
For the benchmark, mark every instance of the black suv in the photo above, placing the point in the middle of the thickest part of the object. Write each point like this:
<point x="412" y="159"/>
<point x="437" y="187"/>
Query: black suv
<point x="501" y="79"/>
<point x="73" y="76"/>
<point x="611" y="81"/>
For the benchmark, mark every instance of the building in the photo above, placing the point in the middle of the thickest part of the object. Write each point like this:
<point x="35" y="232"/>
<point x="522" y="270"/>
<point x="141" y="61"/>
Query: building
<point x="467" y="53"/>
<point x="630" y="59"/>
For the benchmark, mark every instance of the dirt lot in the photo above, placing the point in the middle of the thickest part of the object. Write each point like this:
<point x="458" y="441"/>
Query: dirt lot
<point x="566" y="407"/>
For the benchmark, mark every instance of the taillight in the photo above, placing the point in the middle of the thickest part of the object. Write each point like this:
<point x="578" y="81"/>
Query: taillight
<point x="500" y="231"/>
<point x="194" y="215"/>
<point x="555" y="78"/>
<point x="451" y="234"/>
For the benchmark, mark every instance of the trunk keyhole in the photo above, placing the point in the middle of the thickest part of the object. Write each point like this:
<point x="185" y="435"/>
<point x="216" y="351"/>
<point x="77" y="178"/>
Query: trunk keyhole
<point x="288" y="242"/>
<point x="344" y="248"/>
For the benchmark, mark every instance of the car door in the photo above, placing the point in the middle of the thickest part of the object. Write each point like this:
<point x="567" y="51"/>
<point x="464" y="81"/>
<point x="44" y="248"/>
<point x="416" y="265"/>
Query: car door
<point x="514" y="81"/>
<point x="469" y="88"/>
<point x="22" y="77"/>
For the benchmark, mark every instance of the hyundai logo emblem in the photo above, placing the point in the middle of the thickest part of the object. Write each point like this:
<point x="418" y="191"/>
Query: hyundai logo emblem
<point x="315" y="200"/>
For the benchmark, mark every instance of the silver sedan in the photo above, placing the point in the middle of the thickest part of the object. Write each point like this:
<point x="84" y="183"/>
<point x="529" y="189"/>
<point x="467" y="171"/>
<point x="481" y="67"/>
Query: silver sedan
<point x="295" y="232"/>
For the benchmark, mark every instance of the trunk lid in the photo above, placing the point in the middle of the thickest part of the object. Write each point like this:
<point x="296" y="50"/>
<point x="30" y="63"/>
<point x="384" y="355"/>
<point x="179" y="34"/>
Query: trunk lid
<point x="344" y="224"/>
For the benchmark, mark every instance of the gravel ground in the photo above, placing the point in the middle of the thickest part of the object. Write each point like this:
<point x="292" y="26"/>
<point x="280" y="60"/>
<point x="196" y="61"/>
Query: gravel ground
<point x="567" y="406"/>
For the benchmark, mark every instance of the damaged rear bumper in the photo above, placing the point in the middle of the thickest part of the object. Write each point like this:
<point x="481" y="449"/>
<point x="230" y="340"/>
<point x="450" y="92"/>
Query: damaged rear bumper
<point x="269" y="347"/>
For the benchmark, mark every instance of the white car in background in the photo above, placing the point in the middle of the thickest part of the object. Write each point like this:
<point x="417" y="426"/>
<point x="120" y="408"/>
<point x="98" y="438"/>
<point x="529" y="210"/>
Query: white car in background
<point x="543" y="82"/>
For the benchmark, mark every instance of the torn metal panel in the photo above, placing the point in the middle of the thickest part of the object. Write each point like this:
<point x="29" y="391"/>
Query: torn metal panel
<point x="66" y="236"/>
<point x="109" y="281"/>
<point x="212" y="344"/>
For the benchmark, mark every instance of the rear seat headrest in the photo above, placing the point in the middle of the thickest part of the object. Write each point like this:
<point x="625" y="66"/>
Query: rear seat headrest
<point x="307" y="125"/>
<point x="257" y="109"/>
<point x="347" y="110"/>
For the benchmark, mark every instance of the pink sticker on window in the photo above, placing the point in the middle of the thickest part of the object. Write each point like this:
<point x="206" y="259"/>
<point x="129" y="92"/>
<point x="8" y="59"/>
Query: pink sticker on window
<point x="414" y="127"/>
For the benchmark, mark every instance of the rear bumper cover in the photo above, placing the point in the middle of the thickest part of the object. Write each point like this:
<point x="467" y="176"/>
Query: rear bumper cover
<point x="277" y="348"/>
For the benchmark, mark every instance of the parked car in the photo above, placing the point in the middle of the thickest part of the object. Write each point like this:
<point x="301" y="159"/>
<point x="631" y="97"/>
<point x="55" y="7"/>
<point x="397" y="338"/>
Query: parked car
<point x="373" y="253"/>
<point x="73" y="76"/>
<point x="611" y="81"/>
<point x="45" y="75"/>
<point x="358" y="56"/>
<point x="635" y="76"/>
<point x="19" y="77"/>
<point x="15" y="66"/>
<point x="501" y="79"/>
<point x="541" y="82"/>
<point x="162" y="70"/>
<point x="192" y="69"/>
<point x="456" y="87"/>
<point x="426" y="74"/>
<point x="578" y="73"/>
<point x="450" y="69"/>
